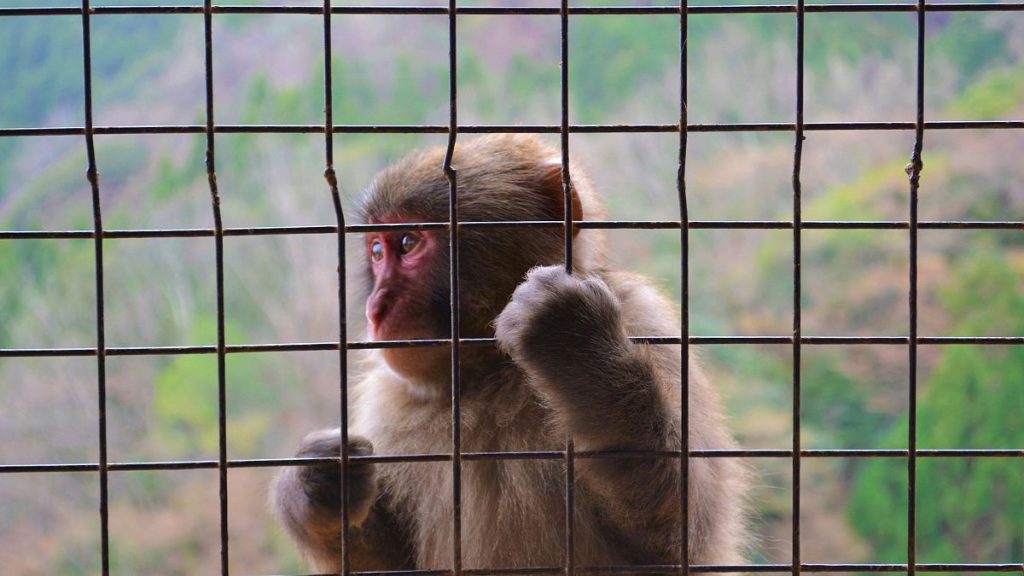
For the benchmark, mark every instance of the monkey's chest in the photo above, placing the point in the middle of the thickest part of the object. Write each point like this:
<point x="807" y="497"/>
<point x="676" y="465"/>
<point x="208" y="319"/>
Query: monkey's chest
<point x="513" y="512"/>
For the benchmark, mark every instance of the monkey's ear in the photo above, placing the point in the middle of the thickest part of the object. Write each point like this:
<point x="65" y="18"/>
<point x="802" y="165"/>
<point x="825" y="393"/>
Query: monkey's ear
<point x="551" y="187"/>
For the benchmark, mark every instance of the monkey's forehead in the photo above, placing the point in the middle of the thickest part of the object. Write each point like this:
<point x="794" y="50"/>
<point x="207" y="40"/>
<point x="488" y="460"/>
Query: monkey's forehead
<point x="497" y="178"/>
<point x="403" y="200"/>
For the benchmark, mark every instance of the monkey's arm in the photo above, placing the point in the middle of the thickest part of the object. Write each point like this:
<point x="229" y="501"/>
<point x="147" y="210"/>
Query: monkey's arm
<point x="568" y="334"/>
<point x="308" y="500"/>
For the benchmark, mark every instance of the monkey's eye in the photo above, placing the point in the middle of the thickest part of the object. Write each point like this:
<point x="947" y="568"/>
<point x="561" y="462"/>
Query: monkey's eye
<point x="409" y="242"/>
<point x="376" y="251"/>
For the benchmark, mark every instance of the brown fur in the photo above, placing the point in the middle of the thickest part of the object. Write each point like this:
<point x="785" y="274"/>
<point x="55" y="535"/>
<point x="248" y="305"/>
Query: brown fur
<point x="563" y="367"/>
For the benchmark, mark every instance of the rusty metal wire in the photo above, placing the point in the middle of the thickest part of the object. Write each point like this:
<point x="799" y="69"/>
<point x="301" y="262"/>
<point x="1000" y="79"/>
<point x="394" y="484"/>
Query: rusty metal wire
<point x="684" y="296"/>
<point x="798" y="150"/>
<point x="92" y="175"/>
<point x="453" y="258"/>
<point x="332" y="182"/>
<point x="796" y="340"/>
<point x="569" y="562"/>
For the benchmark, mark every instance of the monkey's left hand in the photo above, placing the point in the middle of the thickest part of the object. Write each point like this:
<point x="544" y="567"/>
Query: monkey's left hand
<point x="567" y="333"/>
<point x="557" y="323"/>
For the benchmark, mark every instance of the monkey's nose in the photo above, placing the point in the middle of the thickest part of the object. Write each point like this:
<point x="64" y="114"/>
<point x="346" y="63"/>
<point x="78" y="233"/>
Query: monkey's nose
<point x="377" y="307"/>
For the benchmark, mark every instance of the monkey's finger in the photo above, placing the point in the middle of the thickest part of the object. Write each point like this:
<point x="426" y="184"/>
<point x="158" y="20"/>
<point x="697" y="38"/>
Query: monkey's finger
<point x="548" y="276"/>
<point x="359" y="446"/>
<point x="509" y="326"/>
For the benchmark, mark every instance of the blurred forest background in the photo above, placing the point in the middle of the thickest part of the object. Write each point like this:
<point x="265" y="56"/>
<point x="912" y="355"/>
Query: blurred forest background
<point x="148" y="70"/>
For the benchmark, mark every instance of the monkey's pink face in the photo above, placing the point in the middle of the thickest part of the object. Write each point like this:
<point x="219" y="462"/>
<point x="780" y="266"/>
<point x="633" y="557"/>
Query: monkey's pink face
<point x="400" y="306"/>
<point x="401" y="263"/>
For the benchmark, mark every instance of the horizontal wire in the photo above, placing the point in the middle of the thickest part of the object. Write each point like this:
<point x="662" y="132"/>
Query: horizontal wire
<point x="549" y="224"/>
<point x="506" y="128"/>
<point x="753" y="568"/>
<point x="517" y="10"/>
<point x="702" y="568"/>
<point x="420" y="572"/>
<point x="852" y="453"/>
<point x="435" y="342"/>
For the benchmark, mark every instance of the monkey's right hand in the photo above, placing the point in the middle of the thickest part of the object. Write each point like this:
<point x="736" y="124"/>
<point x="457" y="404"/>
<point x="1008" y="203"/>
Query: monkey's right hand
<point x="308" y="498"/>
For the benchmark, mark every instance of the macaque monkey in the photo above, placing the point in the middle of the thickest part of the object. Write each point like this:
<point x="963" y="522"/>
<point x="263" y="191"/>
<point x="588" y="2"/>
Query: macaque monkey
<point x="563" y="367"/>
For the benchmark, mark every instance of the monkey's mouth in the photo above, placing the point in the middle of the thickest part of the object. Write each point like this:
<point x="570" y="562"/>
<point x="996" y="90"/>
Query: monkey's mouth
<point x="385" y="328"/>
<point x="405" y="319"/>
<point x="380" y="330"/>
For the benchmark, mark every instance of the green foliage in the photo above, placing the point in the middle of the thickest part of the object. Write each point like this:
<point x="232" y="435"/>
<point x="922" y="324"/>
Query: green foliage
<point x="854" y="37"/>
<point x="185" y="408"/>
<point x="41" y="58"/>
<point x="80" y="557"/>
<point x="34" y="264"/>
<point x="612" y="56"/>
<point x="402" y="100"/>
<point x="530" y="79"/>
<point x="523" y="84"/>
<point x="987" y="296"/>
<point x="264" y="102"/>
<point x="971" y="45"/>
<point x="862" y="198"/>
<point x="40" y="62"/>
<point x="877" y="507"/>
<point x="407" y="89"/>
<point x="995" y="96"/>
<point x="831" y="401"/>
<point x="54" y="185"/>
<point x="974" y="398"/>
<point x="170" y="179"/>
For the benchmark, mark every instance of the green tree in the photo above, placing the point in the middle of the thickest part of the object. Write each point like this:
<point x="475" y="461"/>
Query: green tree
<point x="968" y="509"/>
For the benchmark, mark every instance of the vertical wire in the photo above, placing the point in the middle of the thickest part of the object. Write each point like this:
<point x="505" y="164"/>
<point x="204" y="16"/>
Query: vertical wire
<point x="570" y="473"/>
<point x="92" y="174"/>
<point x="684" y="271"/>
<point x="797" y="285"/>
<point x="339" y="216"/>
<point x="211" y="177"/>
<point x="564" y="133"/>
<point x="453" y="257"/>
<point x="915" y="182"/>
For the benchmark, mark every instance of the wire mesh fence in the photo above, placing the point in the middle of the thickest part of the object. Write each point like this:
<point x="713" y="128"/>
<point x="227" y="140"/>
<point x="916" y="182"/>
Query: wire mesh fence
<point x="797" y="340"/>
